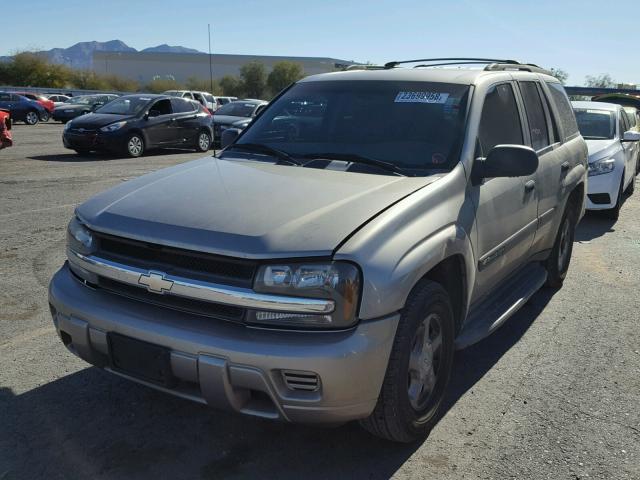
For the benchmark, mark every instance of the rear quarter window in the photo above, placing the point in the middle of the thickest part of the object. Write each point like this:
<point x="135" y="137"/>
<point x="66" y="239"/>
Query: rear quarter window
<point x="563" y="107"/>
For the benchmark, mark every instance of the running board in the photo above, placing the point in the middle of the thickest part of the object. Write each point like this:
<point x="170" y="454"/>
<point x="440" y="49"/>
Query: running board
<point x="492" y="312"/>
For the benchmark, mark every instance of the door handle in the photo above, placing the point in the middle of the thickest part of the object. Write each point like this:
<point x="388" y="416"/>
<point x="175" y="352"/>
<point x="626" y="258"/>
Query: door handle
<point x="565" y="166"/>
<point x="530" y="185"/>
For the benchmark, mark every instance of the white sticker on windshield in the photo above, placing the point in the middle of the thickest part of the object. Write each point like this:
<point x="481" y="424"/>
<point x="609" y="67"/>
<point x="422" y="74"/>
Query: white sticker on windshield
<point x="421" y="97"/>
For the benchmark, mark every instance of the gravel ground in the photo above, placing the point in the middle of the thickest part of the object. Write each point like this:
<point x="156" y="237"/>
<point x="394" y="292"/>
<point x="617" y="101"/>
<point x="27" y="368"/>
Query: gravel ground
<point x="554" y="394"/>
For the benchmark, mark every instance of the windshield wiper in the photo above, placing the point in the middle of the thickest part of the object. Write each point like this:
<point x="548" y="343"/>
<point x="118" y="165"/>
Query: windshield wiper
<point x="356" y="158"/>
<point x="266" y="149"/>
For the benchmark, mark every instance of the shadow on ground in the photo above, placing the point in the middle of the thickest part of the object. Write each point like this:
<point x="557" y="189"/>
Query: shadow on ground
<point x="593" y="225"/>
<point x="101" y="156"/>
<point x="92" y="424"/>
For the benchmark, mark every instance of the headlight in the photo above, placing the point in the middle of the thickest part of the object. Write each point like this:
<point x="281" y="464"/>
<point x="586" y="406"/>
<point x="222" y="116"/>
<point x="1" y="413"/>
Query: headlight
<point x="599" y="167"/>
<point x="337" y="281"/>
<point x="113" y="127"/>
<point x="79" y="238"/>
<point x="67" y="126"/>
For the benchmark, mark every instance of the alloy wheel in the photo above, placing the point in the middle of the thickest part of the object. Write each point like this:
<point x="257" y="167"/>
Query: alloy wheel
<point x="204" y="142"/>
<point x="424" y="361"/>
<point x="32" y="118"/>
<point x="135" y="146"/>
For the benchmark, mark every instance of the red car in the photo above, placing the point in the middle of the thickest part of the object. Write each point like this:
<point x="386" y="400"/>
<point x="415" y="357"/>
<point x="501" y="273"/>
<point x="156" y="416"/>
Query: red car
<point x="5" y="129"/>
<point x="42" y="100"/>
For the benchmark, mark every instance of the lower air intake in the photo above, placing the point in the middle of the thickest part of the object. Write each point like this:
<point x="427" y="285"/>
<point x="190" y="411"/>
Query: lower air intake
<point x="301" y="381"/>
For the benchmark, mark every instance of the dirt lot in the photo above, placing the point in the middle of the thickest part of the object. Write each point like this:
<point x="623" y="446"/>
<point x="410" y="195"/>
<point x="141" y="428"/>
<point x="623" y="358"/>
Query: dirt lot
<point x="554" y="394"/>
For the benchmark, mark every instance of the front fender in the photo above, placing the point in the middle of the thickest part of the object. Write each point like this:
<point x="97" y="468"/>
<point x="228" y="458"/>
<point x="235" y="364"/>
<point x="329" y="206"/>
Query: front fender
<point x="397" y="249"/>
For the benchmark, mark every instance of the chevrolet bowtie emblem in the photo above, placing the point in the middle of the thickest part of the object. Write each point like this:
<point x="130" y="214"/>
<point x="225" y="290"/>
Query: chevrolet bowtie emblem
<point x="155" y="282"/>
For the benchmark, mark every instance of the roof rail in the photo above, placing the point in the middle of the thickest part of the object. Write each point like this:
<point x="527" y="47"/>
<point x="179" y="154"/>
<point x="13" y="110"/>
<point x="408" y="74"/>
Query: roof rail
<point x="526" y="67"/>
<point x="453" y="61"/>
<point x="492" y="64"/>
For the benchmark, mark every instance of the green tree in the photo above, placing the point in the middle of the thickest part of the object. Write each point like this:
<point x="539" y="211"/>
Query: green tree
<point x="254" y="79"/>
<point x="603" y="80"/>
<point x="232" y="86"/>
<point x="88" y="80"/>
<point x="284" y="74"/>
<point x="120" y="84"/>
<point x="560" y="74"/>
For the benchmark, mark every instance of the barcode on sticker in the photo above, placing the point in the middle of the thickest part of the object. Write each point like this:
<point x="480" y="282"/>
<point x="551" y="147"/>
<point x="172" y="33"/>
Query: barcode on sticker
<point x="421" y="97"/>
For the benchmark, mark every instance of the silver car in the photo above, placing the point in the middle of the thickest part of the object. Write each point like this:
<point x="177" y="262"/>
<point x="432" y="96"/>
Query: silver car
<point x="327" y="264"/>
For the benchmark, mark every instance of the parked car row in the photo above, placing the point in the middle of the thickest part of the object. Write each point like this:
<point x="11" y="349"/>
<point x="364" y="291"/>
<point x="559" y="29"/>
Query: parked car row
<point x="76" y="106"/>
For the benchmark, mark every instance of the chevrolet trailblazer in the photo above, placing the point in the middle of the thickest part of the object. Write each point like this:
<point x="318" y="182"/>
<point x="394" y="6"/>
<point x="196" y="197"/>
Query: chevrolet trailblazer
<point x="325" y="266"/>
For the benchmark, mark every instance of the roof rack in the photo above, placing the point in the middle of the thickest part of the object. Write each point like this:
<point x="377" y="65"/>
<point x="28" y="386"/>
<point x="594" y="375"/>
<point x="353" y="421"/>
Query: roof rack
<point x="493" y="64"/>
<point x="365" y="66"/>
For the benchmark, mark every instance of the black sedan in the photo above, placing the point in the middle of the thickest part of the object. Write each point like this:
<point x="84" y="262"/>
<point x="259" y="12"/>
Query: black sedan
<point x="22" y="109"/>
<point x="135" y="123"/>
<point x="76" y="106"/>
<point x="236" y="114"/>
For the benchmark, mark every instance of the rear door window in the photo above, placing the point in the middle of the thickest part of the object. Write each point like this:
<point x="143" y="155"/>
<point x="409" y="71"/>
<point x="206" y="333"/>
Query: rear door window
<point x="535" y="115"/>
<point x="163" y="107"/>
<point x="561" y="101"/>
<point x="181" y="105"/>
<point x="500" y="122"/>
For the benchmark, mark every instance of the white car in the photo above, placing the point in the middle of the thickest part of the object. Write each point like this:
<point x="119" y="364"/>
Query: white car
<point x="613" y="154"/>
<point x="58" y="99"/>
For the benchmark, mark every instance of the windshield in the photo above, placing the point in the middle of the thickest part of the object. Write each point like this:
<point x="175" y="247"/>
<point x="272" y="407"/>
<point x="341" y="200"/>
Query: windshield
<point x="125" y="106"/>
<point x="416" y="126"/>
<point x="596" y="124"/>
<point x="237" y="109"/>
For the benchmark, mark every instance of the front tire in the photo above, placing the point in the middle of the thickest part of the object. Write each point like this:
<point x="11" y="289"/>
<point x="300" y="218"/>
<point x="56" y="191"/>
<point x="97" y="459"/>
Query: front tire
<point x="203" y="143"/>
<point x="135" y="145"/>
<point x="558" y="262"/>
<point x="44" y="116"/>
<point x="614" y="213"/>
<point x="419" y="367"/>
<point x="31" y="118"/>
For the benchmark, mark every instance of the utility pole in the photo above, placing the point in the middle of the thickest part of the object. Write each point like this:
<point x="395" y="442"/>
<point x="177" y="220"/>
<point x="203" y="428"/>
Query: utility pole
<point x="210" y="59"/>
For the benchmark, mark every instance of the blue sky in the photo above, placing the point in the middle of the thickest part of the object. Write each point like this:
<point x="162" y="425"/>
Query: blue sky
<point x="581" y="37"/>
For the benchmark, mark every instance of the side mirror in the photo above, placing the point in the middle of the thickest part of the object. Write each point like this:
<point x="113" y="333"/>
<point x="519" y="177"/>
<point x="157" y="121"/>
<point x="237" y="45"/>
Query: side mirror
<point x="631" y="136"/>
<point x="259" y="110"/>
<point x="506" y="161"/>
<point x="229" y="136"/>
<point x="96" y="106"/>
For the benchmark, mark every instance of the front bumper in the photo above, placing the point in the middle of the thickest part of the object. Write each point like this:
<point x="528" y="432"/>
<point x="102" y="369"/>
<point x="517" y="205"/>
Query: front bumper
<point x="231" y="366"/>
<point x="602" y="186"/>
<point x="94" y="140"/>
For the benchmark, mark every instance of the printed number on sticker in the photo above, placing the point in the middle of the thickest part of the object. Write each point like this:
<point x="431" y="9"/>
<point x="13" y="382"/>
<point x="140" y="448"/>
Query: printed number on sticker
<point x="421" y="97"/>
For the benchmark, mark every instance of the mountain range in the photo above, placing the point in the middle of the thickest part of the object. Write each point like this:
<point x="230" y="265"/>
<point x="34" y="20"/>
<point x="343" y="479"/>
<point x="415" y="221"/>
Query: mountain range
<point x="80" y="55"/>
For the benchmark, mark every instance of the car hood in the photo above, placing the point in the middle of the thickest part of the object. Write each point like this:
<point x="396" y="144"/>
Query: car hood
<point x="246" y="208"/>
<point x="227" y="119"/>
<point x="602" y="148"/>
<point x="97" y="120"/>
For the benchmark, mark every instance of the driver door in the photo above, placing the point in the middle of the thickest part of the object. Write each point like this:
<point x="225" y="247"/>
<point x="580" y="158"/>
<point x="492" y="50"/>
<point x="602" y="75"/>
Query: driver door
<point x="159" y="128"/>
<point x="506" y="208"/>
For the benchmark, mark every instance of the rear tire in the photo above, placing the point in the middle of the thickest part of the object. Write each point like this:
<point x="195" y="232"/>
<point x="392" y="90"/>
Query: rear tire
<point x="135" y="145"/>
<point x="203" y="142"/>
<point x="31" y="118"/>
<point x="558" y="262"/>
<point x="419" y="367"/>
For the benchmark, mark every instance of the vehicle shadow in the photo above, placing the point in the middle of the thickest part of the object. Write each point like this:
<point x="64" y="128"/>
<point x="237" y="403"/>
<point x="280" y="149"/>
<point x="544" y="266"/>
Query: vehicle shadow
<point x="92" y="424"/>
<point x="593" y="225"/>
<point x="101" y="156"/>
